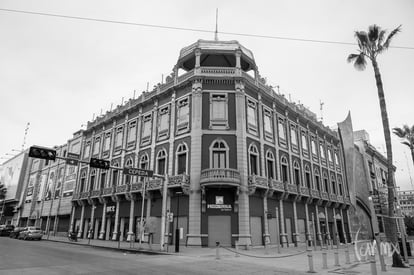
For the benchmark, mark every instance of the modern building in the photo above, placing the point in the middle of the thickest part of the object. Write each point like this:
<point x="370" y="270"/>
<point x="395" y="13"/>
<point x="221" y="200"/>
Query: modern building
<point x="13" y="174"/>
<point x="243" y="163"/>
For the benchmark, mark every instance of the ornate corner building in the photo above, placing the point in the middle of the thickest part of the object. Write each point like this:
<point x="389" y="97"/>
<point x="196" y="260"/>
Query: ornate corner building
<point x="243" y="163"/>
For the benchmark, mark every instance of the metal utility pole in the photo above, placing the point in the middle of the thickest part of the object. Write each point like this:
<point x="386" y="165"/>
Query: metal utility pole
<point x="177" y="229"/>
<point x="163" y="211"/>
<point x="142" y="212"/>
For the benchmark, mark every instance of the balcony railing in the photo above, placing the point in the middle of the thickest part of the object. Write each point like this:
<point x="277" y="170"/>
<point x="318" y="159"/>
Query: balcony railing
<point x="75" y="196"/>
<point x="340" y="199"/>
<point x="95" y="193"/>
<point x="178" y="180"/>
<point x="154" y="184"/>
<point x="107" y="191"/>
<point x="333" y="197"/>
<point x="220" y="176"/>
<point x="315" y="193"/>
<point x="291" y="188"/>
<point x="325" y="196"/>
<point x="218" y="71"/>
<point x="347" y="200"/>
<point x="121" y="189"/>
<point x="258" y="181"/>
<point x="304" y="191"/>
<point x="276" y="185"/>
<point x="137" y="187"/>
<point x="84" y="195"/>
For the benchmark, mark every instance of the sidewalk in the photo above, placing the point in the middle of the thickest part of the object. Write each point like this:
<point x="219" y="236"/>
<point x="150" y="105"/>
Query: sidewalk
<point x="292" y="258"/>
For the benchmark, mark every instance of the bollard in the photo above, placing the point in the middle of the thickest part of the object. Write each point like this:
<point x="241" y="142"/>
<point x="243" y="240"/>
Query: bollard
<point x="237" y="249"/>
<point x="217" y="250"/>
<point x="347" y="259"/>
<point x="411" y="262"/>
<point x="310" y="261"/>
<point x="336" y="256"/>
<point x="373" y="265"/>
<point x="324" y="259"/>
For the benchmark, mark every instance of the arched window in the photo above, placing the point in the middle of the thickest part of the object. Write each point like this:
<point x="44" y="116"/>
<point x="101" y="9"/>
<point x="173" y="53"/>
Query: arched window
<point x="317" y="180"/>
<point x="296" y="173"/>
<point x="307" y="177"/>
<point x="161" y="162"/>
<point x="333" y="182"/>
<point x="82" y="186"/>
<point x="92" y="180"/>
<point x="128" y="178"/>
<point x="270" y="165"/>
<point x="219" y="154"/>
<point x="325" y="183"/>
<point x="284" y="169"/>
<point x="253" y="160"/>
<point x="115" y="176"/>
<point x="181" y="159"/>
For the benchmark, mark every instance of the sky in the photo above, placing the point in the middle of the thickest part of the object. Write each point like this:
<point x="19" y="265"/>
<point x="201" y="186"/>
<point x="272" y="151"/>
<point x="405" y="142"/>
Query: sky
<point x="58" y="73"/>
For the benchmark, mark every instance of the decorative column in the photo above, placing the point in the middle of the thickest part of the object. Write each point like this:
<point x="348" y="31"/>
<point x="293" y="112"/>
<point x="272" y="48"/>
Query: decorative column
<point x="130" y="237"/>
<point x="308" y="234"/>
<point x="115" y="231"/>
<point x="328" y="233"/>
<point x="197" y="60"/>
<point x="92" y="224"/>
<point x="295" y="222"/>
<point x="266" y="221"/>
<point x="336" y="235"/>
<point x="343" y="226"/>
<point x="238" y="63"/>
<point x="103" y="225"/>
<point x="194" y="212"/>
<point x="72" y="218"/>
<point x="318" y="225"/>
<point x="242" y="164"/>
<point x="81" y="220"/>
<point x="350" y="239"/>
<point x="282" y="225"/>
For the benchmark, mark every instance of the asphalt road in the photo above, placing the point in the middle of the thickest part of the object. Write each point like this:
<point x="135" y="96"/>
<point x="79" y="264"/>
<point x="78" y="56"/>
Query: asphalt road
<point x="45" y="257"/>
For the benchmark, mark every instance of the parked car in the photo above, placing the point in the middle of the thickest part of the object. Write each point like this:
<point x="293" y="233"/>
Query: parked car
<point x="15" y="233"/>
<point x="5" y="229"/>
<point x="31" y="233"/>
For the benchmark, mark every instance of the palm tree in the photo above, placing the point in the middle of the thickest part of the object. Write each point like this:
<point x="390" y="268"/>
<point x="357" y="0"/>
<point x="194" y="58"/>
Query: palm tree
<point x="370" y="45"/>
<point x="407" y="135"/>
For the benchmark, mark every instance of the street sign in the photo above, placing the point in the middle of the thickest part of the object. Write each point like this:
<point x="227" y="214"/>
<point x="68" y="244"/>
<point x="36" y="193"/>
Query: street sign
<point x="170" y="217"/>
<point x="73" y="155"/>
<point x="72" y="159"/>
<point x="138" y="172"/>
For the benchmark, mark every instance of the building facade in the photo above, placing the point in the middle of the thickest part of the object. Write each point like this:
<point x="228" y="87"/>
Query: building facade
<point x="406" y="202"/>
<point x="243" y="163"/>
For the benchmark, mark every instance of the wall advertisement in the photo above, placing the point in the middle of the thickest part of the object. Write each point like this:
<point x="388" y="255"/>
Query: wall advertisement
<point x="10" y="173"/>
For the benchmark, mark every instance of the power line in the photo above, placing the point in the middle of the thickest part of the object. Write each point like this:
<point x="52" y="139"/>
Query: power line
<point x="192" y="29"/>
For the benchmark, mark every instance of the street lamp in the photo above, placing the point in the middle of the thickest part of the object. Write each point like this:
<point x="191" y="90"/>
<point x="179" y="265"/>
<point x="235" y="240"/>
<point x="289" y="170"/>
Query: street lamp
<point x="177" y="229"/>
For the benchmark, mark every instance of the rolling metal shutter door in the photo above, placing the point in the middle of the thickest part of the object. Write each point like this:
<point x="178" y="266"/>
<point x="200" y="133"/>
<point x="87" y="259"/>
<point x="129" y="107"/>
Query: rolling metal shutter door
<point x="219" y="230"/>
<point x="273" y="230"/>
<point x="256" y="230"/>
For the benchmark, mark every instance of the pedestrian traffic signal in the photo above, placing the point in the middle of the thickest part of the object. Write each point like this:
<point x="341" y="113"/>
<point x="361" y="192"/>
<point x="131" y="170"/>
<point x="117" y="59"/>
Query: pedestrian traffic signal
<point x="42" y="153"/>
<point x="99" y="163"/>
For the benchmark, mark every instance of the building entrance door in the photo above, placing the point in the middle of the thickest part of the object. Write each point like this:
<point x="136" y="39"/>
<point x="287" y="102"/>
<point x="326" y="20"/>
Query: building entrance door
<point x="256" y="230"/>
<point x="219" y="230"/>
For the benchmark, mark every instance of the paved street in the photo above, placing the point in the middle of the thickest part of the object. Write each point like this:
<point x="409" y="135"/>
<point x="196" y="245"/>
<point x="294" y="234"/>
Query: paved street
<point x="46" y="257"/>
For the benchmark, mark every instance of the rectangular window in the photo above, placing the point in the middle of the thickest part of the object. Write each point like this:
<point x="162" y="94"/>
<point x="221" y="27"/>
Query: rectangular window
<point x="219" y="159"/>
<point x="163" y="122"/>
<point x="304" y="142"/>
<point x="253" y="164"/>
<point x="118" y="137"/>
<point x="218" y="111"/>
<point x="270" y="169"/>
<point x="322" y="150"/>
<point x="146" y="129"/>
<point x="183" y="115"/>
<point x="181" y="162"/>
<point x="251" y="116"/>
<point x="293" y="136"/>
<point x="281" y="130"/>
<point x="330" y="158"/>
<point x="132" y="132"/>
<point x="96" y="146"/>
<point x="75" y="148"/>
<point x="87" y="149"/>
<point x="313" y="144"/>
<point x="268" y="124"/>
<point x="107" y="142"/>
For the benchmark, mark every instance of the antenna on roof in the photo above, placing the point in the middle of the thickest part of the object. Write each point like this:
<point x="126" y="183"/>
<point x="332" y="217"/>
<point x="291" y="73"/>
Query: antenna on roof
<point x="134" y="94"/>
<point x="25" y="135"/>
<point x="216" y="32"/>
<point x="321" y="108"/>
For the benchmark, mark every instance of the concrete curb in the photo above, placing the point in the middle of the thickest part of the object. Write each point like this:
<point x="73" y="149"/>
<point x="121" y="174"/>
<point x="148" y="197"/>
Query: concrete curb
<point x="130" y="250"/>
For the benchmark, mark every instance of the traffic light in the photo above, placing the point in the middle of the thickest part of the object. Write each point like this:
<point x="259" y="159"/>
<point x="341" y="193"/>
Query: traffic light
<point x="99" y="163"/>
<point x="42" y="153"/>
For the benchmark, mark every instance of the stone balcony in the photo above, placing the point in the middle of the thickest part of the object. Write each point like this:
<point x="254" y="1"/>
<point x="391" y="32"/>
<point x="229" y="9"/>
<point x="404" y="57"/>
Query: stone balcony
<point x="257" y="182"/>
<point x="95" y="193"/>
<point x="154" y="184"/>
<point x="315" y="194"/>
<point x="84" y="195"/>
<point x="304" y="191"/>
<point x="276" y="185"/>
<point x="324" y="196"/>
<point x="333" y="197"/>
<point x="220" y="176"/>
<point x="178" y="180"/>
<point x="137" y="187"/>
<point x="347" y="200"/>
<point x="122" y="189"/>
<point x="340" y="199"/>
<point x="291" y="188"/>
<point x="75" y="196"/>
<point x="108" y="191"/>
